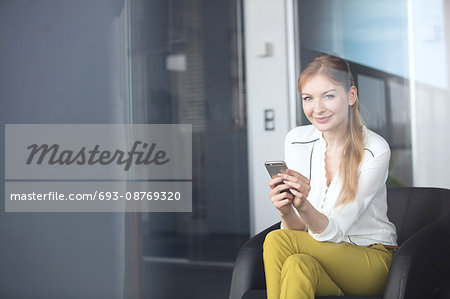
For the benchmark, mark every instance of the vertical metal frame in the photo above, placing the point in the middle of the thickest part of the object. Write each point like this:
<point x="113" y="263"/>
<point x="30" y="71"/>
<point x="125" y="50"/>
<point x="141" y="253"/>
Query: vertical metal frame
<point x="293" y="56"/>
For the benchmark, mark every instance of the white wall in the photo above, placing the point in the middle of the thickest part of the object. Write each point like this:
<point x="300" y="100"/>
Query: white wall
<point x="429" y="38"/>
<point x="267" y="88"/>
<point x="431" y="142"/>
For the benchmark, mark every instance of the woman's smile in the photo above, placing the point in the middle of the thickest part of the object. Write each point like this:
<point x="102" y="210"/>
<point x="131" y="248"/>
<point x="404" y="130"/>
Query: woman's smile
<point x="322" y="119"/>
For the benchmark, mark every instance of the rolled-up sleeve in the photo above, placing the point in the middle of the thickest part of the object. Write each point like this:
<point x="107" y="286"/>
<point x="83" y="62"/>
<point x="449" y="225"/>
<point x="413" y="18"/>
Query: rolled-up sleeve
<point x="371" y="180"/>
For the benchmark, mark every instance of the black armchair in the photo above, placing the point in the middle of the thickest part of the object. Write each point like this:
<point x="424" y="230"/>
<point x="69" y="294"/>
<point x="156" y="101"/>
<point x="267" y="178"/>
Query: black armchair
<point x="420" y="268"/>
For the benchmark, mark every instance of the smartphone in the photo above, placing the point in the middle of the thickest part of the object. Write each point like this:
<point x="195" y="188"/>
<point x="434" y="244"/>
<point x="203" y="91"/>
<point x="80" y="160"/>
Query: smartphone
<point x="274" y="167"/>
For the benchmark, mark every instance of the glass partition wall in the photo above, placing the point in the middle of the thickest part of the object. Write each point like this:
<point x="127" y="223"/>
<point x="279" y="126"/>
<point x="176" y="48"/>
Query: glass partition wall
<point x="187" y="68"/>
<point x="384" y="105"/>
<point x="398" y="52"/>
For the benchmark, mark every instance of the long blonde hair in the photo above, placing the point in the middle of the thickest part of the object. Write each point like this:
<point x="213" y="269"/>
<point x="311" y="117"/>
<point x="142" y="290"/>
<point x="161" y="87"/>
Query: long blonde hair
<point x="338" y="70"/>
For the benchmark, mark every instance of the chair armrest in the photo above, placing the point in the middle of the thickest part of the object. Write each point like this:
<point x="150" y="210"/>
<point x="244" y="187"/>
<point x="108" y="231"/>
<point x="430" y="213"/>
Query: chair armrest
<point x="248" y="272"/>
<point x="421" y="267"/>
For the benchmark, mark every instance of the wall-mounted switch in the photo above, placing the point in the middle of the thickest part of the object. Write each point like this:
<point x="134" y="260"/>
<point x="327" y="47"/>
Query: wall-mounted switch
<point x="264" y="49"/>
<point x="269" y="119"/>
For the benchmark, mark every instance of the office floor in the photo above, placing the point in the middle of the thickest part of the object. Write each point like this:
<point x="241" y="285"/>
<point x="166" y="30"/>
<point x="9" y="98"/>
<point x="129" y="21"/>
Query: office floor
<point x="197" y="267"/>
<point x="165" y="280"/>
<point x="213" y="247"/>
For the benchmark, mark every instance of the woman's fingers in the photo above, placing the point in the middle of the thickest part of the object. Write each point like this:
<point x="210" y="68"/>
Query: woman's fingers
<point x="301" y="188"/>
<point x="293" y="184"/>
<point x="296" y="193"/>
<point x="286" y="176"/>
<point x="279" y="189"/>
<point x="282" y="203"/>
<point x="275" y="181"/>
<point x="284" y="198"/>
<point x="296" y="181"/>
<point x="282" y="188"/>
<point x="293" y="175"/>
<point x="288" y="188"/>
<point x="281" y="198"/>
<point x="298" y="200"/>
<point x="293" y="172"/>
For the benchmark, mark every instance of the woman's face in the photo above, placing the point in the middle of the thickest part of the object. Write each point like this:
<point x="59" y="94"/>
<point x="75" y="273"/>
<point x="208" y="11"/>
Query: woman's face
<point x="326" y="103"/>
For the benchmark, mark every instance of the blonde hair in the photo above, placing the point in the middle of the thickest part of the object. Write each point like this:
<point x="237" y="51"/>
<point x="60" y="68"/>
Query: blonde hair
<point x="338" y="70"/>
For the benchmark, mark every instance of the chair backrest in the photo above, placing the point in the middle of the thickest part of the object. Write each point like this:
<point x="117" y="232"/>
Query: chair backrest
<point x="411" y="208"/>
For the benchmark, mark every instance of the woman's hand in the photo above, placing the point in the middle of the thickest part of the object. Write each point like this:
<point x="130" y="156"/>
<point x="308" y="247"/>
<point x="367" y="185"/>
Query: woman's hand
<point x="299" y="187"/>
<point x="280" y="196"/>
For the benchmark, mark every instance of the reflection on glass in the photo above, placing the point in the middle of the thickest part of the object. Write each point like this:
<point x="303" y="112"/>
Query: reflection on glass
<point x="375" y="42"/>
<point x="186" y="60"/>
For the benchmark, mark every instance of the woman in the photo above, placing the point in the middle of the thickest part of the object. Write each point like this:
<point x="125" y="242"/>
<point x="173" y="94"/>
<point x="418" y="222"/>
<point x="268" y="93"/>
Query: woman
<point x="335" y="237"/>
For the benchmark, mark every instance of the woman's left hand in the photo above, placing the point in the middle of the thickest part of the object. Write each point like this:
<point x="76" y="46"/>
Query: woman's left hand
<point x="300" y="186"/>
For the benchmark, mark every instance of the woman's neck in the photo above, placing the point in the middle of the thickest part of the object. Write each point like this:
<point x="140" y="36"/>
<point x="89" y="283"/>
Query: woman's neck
<point x="335" y="139"/>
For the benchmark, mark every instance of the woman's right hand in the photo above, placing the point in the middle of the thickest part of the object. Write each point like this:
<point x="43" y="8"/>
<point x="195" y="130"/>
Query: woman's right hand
<point x="280" y="196"/>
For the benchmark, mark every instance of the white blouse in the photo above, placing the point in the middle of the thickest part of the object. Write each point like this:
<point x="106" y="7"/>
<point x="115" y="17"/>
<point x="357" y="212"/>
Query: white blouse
<point x="363" y="221"/>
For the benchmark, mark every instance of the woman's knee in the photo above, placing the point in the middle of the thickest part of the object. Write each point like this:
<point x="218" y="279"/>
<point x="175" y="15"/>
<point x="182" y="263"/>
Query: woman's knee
<point x="272" y="237"/>
<point x="275" y="238"/>
<point x="302" y="268"/>
<point x="302" y="262"/>
<point x="279" y="236"/>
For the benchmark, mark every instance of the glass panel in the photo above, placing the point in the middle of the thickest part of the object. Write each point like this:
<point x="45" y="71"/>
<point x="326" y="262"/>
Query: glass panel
<point x="375" y="42"/>
<point x="186" y="68"/>
<point x="371" y="33"/>
<point x="429" y="55"/>
<point x="372" y="94"/>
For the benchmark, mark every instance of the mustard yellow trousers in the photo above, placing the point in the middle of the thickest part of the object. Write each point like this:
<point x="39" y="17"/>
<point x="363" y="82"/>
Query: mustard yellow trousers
<point x="299" y="267"/>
